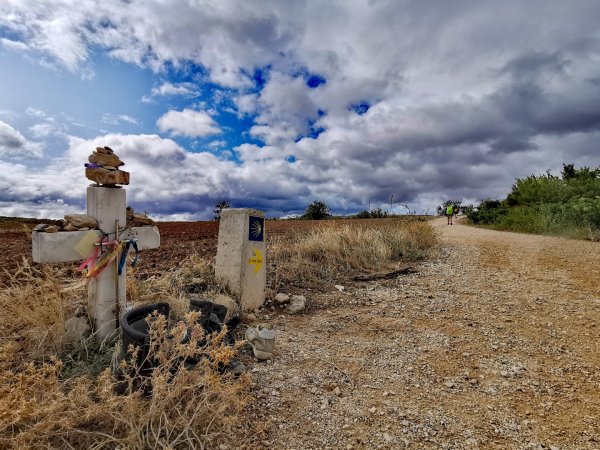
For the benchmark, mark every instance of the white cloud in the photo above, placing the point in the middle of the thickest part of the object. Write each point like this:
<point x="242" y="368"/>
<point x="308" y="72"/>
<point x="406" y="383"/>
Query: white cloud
<point x="191" y="183"/>
<point x="43" y="130"/>
<point x="44" y="208"/>
<point x="217" y="144"/>
<point x="118" y="119"/>
<point x="188" y="123"/>
<point x="34" y="112"/>
<point x="225" y="37"/>
<point x="13" y="45"/>
<point x="247" y="104"/>
<point x="13" y="145"/>
<point x="48" y="126"/>
<point x="167" y="88"/>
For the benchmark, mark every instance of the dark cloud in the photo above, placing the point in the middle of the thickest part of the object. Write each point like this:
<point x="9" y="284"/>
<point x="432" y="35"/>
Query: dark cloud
<point x="535" y="63"/>
<point x="510" y="144"/>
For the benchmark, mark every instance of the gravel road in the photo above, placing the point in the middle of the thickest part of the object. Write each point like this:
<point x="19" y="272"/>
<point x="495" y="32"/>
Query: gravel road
<point x="494" y="344"/>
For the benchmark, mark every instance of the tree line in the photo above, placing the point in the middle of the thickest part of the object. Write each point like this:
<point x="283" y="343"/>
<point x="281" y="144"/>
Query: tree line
<point x="317" y="210"/>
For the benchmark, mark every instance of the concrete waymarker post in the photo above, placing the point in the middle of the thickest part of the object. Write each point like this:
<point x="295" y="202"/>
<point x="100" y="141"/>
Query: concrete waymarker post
<point x="241" y="255"/>
<point x="106" y="292"/>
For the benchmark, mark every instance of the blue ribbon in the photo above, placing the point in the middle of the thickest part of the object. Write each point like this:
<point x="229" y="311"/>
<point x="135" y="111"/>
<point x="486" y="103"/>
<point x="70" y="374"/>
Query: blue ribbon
<point x="133" y="244"/>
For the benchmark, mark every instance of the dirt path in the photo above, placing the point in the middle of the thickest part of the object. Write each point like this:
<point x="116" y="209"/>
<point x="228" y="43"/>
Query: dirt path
<point x="493" y="344"/>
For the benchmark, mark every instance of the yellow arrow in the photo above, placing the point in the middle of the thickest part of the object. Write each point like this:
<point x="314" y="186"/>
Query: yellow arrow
<point x="257" y="260"/>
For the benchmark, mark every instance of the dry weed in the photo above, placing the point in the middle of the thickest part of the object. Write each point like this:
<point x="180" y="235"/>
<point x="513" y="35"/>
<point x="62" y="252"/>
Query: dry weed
<point x="34" y="306"/>
<point x="330" y="253"/>
<point x="39" y="408"/>
<point x="193" y="276"/>
<point x="189" y="407"/>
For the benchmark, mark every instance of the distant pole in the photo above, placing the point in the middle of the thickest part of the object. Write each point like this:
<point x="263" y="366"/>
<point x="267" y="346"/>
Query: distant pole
<point x="369" y="206"/>
<point x="391" y="202"/>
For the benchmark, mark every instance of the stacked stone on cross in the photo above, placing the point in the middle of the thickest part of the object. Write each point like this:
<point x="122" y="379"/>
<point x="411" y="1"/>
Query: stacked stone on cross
<point x="83" y="222"/>
<point x="71" y="222"/>
<point x="103" y="168"/>
<point x="136" y="219"/>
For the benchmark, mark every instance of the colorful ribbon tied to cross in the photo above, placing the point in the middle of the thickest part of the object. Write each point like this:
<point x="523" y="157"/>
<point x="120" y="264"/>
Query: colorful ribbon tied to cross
<point x="129" y="243"/>
<point x="94" y="265"/>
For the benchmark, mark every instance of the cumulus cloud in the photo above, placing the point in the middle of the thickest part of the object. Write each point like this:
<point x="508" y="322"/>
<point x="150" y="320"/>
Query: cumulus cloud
<point x="285" y="107"/>
<point x="217" y="144"/>
<point x="191" y="183"/>
<point x="154" y="33"/>
<point x="188" y="122"/>
<point x="13" y="145"/>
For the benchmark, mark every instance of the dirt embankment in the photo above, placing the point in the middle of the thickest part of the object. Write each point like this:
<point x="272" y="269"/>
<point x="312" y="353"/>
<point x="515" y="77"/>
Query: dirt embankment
<point x="493" y="344"/>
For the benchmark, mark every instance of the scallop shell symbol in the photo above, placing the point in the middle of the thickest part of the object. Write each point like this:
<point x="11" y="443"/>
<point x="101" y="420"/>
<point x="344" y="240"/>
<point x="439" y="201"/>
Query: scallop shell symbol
<point x="256" y="229"/>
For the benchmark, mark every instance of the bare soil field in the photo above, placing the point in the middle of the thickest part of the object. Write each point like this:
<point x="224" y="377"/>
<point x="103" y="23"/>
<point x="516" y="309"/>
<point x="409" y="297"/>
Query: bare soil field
<point x="493" y="343"/>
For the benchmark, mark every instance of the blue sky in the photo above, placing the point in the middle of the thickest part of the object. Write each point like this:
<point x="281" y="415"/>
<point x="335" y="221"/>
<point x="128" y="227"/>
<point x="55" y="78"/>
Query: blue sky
<point x="275" y="104"/>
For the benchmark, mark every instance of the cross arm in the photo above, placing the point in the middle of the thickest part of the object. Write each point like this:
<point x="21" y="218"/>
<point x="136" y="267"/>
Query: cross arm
<point x="60" y="247"/>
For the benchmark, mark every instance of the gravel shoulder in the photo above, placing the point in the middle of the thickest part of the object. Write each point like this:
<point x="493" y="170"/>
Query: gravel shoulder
<point x="494" y="343"/>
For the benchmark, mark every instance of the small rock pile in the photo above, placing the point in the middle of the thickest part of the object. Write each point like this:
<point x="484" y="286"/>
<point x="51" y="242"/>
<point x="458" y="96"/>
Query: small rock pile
<point x="103" y="168"/>
<point x="295" y="303"/>
<point x="137" y="220"/>
<point x="71" y="222"/>
<point x="83" y="222"/>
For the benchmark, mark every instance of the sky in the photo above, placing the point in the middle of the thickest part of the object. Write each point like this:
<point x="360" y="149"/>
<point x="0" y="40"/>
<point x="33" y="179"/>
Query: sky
<point x="274" y="104"/>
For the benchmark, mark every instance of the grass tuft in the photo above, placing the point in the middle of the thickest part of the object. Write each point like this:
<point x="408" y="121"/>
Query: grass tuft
<point x="330" y="253"/>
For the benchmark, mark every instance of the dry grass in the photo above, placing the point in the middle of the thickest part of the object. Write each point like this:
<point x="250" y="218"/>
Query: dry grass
<point x="330" y="254"/>
<point x="33" y="308"/>
<point x="194" y="275"/>
<point x="51" y="395"/>
<point x="195" y="408"/>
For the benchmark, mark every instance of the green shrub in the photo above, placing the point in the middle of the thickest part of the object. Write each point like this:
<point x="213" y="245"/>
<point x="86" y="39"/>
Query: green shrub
<point x="377" y="213"/>
<point x="547" y="204"/>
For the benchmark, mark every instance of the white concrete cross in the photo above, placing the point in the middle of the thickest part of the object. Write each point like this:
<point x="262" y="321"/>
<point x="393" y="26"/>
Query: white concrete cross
<point x="107" y="291"/>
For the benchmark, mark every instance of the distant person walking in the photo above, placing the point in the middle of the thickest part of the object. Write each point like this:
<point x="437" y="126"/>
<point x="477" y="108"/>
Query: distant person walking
<point x="449" y="213"/>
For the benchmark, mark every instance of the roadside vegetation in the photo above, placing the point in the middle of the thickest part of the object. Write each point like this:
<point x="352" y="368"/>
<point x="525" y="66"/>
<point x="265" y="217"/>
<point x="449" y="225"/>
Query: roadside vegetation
<point x="330" y="253"/>
<point x="566" y="205"/>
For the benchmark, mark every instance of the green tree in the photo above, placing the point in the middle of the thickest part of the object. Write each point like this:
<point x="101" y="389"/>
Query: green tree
<point x="545" y="203"/>
<point x="569" y="172"/>
<point x="488" y="211"/>
<point x="219" y="207"/>
<point x="317" y="210"/>
<point x="364" y="214"/>
<point x="376" y="213"/>
<point x="379" y="213"/>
